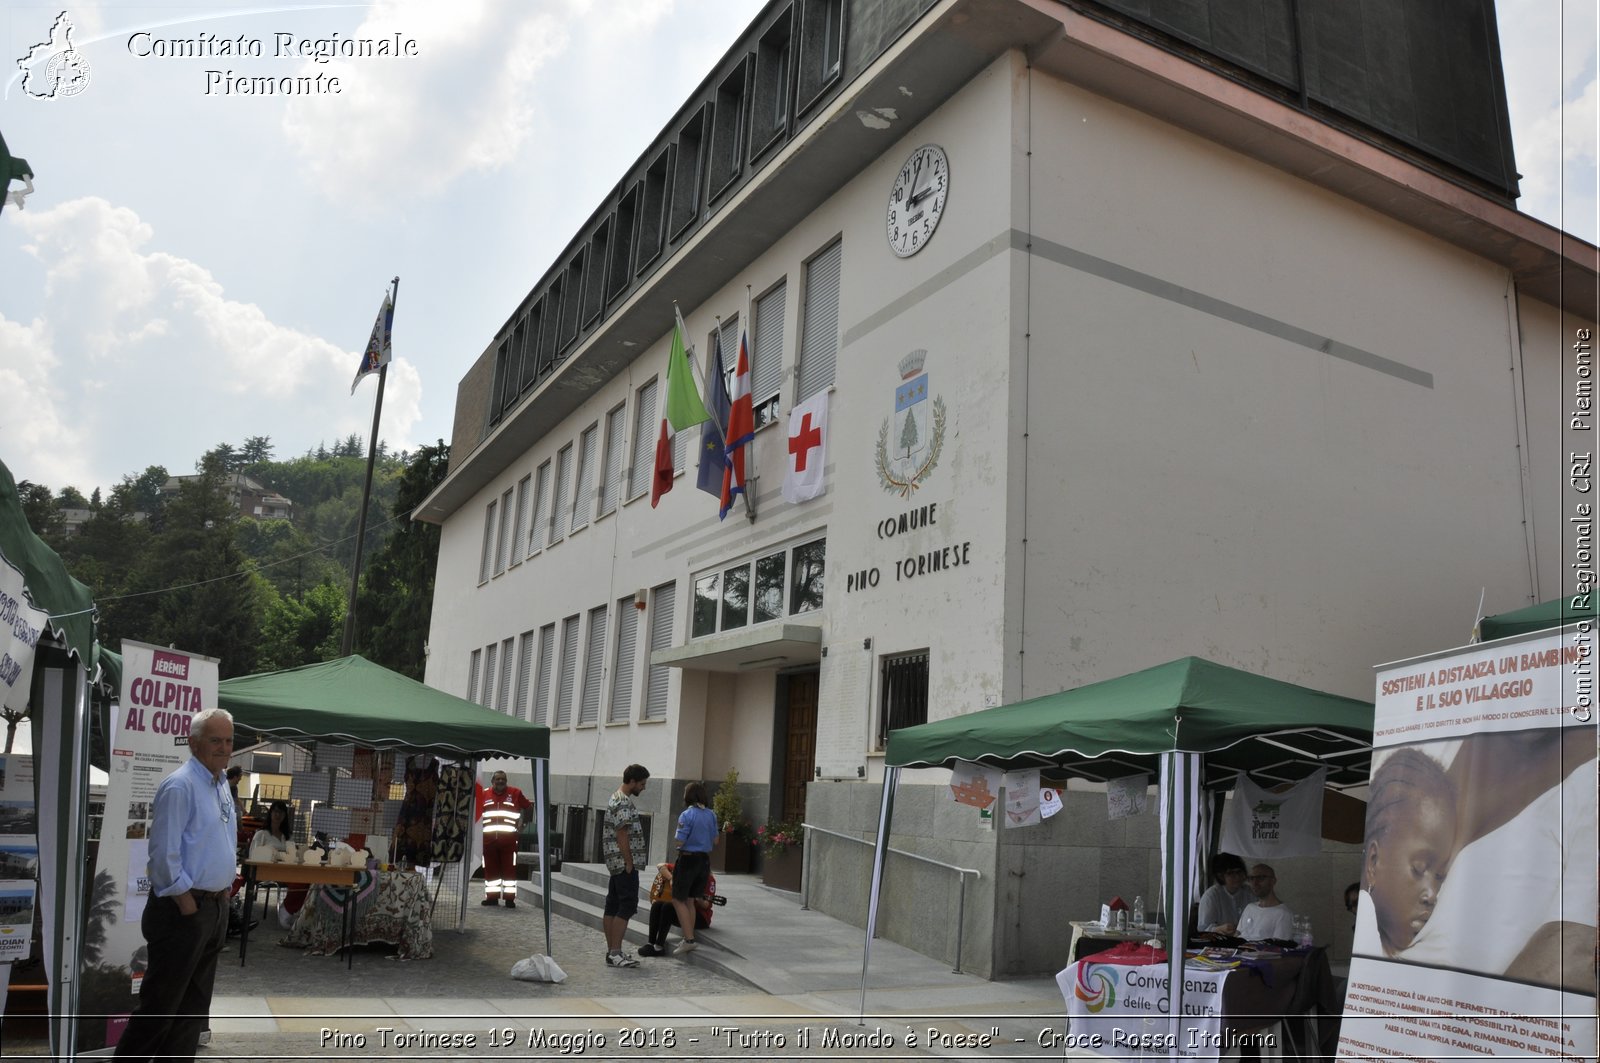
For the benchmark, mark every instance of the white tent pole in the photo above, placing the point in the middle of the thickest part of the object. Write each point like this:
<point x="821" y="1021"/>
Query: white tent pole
<point x="541" y="771"/>
<point x="880" y="852"/>
<point x="1180" y="796"/>
<point x="61" y="765"/>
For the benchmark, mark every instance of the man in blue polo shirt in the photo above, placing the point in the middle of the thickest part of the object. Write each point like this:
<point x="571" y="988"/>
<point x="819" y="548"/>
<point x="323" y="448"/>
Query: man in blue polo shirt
<point x="191" y="867"/>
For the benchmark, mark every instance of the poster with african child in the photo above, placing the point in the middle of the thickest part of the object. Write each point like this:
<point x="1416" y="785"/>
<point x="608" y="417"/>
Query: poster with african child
<point x="1476" y="925"/>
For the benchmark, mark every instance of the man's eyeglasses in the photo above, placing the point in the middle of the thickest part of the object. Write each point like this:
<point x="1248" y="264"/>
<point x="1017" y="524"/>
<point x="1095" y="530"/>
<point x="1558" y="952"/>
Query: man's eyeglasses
<point x="1258" y="878"/>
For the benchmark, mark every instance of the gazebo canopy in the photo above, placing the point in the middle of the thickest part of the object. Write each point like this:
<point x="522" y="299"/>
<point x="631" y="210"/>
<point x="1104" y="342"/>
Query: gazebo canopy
<point x="1549" y="614"/>
<point x="1241" y="722"/>
<point x="353" y="700"/>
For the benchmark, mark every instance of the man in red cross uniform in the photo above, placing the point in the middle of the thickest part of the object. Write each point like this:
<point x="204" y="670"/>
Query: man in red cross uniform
<point x="500" y="808"/>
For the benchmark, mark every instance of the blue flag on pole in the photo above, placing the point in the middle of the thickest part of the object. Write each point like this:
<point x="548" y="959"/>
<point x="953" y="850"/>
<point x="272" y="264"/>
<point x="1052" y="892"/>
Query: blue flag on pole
<point x="713" y="453"/>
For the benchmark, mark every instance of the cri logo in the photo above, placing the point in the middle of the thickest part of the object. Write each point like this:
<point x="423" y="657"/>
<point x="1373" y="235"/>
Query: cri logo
<point x="172" y="665"/>
<point x="1096" y="986"/>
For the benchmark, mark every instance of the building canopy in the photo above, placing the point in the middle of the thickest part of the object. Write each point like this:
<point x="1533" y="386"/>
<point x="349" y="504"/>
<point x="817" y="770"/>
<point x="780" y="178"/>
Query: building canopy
<point x="1241" y="722"/>
<point x="1549" y="614"/>
<point x="353" y="700"/>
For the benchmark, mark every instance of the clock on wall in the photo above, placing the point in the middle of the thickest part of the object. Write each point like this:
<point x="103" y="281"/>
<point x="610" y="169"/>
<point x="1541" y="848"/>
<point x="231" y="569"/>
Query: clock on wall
<point x="916" y="202"/>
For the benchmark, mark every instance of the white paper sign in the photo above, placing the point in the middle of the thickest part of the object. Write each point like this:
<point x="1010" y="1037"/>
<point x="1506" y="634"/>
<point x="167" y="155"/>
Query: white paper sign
<point x="1049" y="802"/>
<point x="20" y="626"/>
<point x="974" y="784"/>
<point x="1120" y="1006"/>
<point x="1022" y="798"/>
<point x="1125" y="796"/>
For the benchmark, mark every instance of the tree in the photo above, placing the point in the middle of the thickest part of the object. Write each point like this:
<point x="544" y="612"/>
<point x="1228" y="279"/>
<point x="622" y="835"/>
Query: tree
<point x="908" y="435"/>
<point x="142" y="493"/>
<point x="13" y="717"/>
<point x="95" y="502"/>
<point x="256" y="450"/>
<point x="304" y="631"/>
<point x="39" y="508"/>
<point x="223" y="455"/>
<point x="71" y="498"/>
<point x="395" y="603"/>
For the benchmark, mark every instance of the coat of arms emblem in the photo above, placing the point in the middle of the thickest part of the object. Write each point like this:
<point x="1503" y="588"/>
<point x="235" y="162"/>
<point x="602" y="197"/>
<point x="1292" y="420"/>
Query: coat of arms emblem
<point x="911" y="439"/>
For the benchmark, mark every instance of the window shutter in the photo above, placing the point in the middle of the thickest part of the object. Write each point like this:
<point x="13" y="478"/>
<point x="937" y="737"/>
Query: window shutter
<point x="517" y="547"/>
<point x="766" y="355"/>
<point x="559" y="510"/>
<point x="594" y="662"/>
<point x="472" y="675"/>
<point x="645" y="431"/>
<point x="541" y="508"/>
<point x="819" y="329"/>
<point x="663" y="602"/>
<point x="611" y="485"/>
<point x="502" y="541"/>
<point x="569" y="666"/>
<point x="583" y="501"/>
<point x="622" y="671"/>
<point x="503" y="695"/>
<point x="541" y="686"/>
<point x="488" y="541"/>
<point x="491" y="657"/>
<point x="519" y="707"/>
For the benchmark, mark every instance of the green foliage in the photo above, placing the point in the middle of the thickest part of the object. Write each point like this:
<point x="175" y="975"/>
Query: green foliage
<point x="729" y="807"/>
<point x="306" y="630"/>
<point x="395" y="604"/>
<point x="778" y="836"/>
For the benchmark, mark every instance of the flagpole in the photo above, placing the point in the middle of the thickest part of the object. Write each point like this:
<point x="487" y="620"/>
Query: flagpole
<point x="749" y="491"/>
<point x="694" y="369"/>
<point x="347" y="646"/>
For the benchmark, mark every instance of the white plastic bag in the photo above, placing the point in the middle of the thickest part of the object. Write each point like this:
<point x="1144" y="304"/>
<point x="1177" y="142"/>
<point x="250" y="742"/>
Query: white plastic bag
<point x="538" y="969"/>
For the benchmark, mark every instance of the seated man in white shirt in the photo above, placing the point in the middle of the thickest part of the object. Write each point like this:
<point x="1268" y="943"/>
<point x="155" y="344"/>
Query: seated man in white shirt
<point x="1266" y="916"/>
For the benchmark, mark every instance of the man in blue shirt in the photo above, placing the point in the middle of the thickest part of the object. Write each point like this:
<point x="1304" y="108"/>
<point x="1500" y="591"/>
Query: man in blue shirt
<point x="191" y="867"/>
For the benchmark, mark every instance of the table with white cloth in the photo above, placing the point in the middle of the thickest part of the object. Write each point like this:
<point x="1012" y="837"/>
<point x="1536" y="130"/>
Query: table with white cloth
<point x="400" y="914"/>
<point x="1224" y="1007"/>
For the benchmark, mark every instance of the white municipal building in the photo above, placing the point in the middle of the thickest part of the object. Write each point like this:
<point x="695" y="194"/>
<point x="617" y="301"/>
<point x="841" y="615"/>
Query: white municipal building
<point x="1221" y="336"/>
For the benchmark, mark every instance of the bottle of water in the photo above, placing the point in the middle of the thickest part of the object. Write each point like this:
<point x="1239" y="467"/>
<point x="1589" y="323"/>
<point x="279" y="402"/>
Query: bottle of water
<point x="1138" y="913"/>
<point x="1306" y="940"/>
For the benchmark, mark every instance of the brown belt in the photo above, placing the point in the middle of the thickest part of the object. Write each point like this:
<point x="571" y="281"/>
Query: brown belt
<point x="208" y="895"/>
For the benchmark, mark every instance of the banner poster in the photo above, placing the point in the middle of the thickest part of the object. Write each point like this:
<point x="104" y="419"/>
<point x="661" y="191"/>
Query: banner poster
<point x="20" y="626"/>
<point x="1476" y="927"/>
<point x="1126" y="796"/>
<point x="1119" y="1011"/>
<point x="1022" y="797"/>
<point x="162" y="690"/>
<point x="19" y="861"/>
<point x="974" y="784"/>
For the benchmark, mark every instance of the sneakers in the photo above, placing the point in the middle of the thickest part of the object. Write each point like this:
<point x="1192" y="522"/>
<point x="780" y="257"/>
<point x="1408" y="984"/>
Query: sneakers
<point x="489" y="902"/>
<point x="620" y="959"/>
<point x="652" y="950"/>
<point x="687" y="945"/>
<point x="285" y="917"/>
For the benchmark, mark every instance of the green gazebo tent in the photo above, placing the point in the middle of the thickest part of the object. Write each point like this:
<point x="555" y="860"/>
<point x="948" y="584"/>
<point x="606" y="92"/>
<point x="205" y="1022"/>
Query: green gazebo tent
<point x="1198" y="722"/>
<point x="1549" y="614"/>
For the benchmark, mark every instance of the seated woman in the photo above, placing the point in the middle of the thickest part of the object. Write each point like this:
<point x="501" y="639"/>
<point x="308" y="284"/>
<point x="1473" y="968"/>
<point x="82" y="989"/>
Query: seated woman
<point x="664" y="915"/>
<point x="1223" y="904"/>
<point x="275" y="837"/>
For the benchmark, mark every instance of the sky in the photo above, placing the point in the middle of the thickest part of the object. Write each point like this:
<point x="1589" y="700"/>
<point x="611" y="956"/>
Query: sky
<point x="197" y="266"/>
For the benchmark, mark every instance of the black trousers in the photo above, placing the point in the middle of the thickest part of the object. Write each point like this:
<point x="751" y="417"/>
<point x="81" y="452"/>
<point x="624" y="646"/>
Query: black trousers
<point x="175" y="997"/>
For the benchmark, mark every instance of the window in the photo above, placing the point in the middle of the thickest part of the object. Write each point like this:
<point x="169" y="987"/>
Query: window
<point x="491" y="657"/>
<point x="728" y="130"/>
<point x="525" y="645"/>
<point x="653" y="211"/>
<point x="594" y="290"/>
<point x="821" y="48"/>
<point x="769" y="110"/>
<point x="622" y="666"/>
<point x="505" y="378"/>
<point x="528" y="337"/>
<point x="502" y="701"/>
<point x="611" y="478"/>
<point x="754" y="591"/>
<point x="766" y="354"/>
<point x="728" y="337"/>
<point x="523" y="374"/>
<point x="541" y="508"/>
<point x="541" y="680"/>
<point x="502" y="537"/>
<point x="594" y="660"/>
<point x="644" y="440"/>
<point x="519" y="526"/>
<point x="819" y="324"/>
<point x="571" y="305"/>
<point x="542" y="330"/>
<point x="622" y="247"/>
<point x="472" y="674"/>
<point x="663" y="601"/>
<point x="490" y="523"/>
<point x="566" y="678"/>
<point x="559" y="510"/>
<point x="688" y="174"/>
<point x="903" y="696"/>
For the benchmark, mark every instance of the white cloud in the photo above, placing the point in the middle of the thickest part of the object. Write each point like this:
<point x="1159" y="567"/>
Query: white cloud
<point x="145" y="354"/>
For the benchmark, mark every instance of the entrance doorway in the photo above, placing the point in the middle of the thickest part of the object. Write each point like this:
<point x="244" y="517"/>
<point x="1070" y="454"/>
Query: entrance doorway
<point x="800" y="743"/>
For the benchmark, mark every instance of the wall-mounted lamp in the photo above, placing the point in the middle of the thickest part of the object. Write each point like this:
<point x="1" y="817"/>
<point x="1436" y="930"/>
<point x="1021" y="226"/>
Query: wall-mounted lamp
<point x="819" y="771"/>
<point x="866" y="643"/>
<point x="861" y="771"/>
<point x="824" y="651"/>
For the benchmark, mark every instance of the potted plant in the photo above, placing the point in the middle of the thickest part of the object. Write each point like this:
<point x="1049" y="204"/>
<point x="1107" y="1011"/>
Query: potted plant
<point x="782" y="860"/>
<point x="733" y="852"/>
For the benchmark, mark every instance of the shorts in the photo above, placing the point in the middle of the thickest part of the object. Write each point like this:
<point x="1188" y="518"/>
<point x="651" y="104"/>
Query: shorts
<point x="689" y="875"/>
<point x="622" y="894"/>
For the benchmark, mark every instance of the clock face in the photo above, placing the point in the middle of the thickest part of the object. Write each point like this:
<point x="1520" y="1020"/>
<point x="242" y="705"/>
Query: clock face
<point x="916" y="202"/>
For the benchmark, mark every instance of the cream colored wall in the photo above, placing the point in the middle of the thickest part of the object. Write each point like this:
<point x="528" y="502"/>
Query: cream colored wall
<point x="1195" y="486"/>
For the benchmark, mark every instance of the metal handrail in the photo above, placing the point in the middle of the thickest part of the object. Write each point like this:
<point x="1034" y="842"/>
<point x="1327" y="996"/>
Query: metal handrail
<point x="961" y="875"/>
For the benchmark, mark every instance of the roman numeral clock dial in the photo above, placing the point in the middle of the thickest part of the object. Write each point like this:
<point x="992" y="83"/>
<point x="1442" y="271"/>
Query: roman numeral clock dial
<point x="916" y="202"/>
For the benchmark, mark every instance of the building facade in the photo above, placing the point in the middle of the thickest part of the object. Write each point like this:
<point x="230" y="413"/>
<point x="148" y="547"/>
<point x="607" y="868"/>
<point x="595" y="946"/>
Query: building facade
<point x="1134" y="347"/>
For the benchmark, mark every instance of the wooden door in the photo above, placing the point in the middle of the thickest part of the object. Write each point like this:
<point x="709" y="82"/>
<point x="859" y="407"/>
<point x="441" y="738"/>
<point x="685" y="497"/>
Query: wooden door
<point x="800" y="744"/>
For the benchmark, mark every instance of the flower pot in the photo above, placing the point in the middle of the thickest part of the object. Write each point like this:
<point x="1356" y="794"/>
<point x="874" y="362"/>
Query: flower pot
<point x="782" y="871"/>
<point x="733" y="855"/>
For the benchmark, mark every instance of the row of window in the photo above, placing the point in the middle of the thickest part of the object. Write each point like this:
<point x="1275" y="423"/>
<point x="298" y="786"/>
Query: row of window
<point x="744" y="119"/>
<point x="778" y="584"/>
<point x="562" y="503"/>
<point x="538" y="675"/>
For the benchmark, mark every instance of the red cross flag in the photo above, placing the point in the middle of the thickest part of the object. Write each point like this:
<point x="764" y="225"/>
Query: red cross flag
<point x="808" y="449"/>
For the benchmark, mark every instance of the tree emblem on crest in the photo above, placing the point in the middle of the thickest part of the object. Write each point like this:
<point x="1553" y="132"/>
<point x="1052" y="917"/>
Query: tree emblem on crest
<point x="918" y="431"/>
